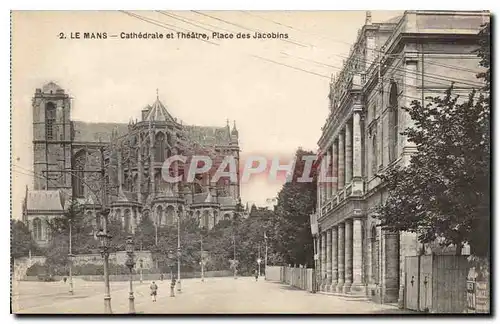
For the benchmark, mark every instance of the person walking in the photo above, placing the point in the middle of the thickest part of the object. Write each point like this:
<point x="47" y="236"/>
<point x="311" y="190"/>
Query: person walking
<point x="154" y="290"/>
<point x="256" y="273"/>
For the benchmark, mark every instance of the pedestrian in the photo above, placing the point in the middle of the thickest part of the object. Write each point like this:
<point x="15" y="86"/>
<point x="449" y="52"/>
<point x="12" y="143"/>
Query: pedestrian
<point x="256" y="275"/>
<point x="64" y="279"/>
<point x="161" y="276"/>
<point x="172" y="286"/>
<point x="154" y="290"/>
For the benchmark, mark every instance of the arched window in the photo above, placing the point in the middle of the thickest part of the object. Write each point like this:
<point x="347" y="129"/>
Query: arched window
<point x="127" y="220"/>
<point x="37" y="229"/>
<point x="197" y="217"/>
<point x="375" y="255"/>
<point x="160" y="147"/>
<point x="374" y="155"/>
<point x="79" y="176"/>
<point x="50" y="119"/>
<point x="206" y="219"/>
<point x="393" y="122"/>
<point x="170" y="215"/>
<point x="159" y="215"/>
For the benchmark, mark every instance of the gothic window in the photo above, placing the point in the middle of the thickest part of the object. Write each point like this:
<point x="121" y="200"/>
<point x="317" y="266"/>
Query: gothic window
<point x="170" y="215"/>
<point x="393" y="121"/>
<point x="127" y="220"/>
<point x="374" y="154"/>
<point x="37" y="229"/>
<point x="197" y="217"/>
<point x="159" y="215"/>
<point x="160" y="147"/>
<point x="79" y="175"/>
<point x="50" y="119"/>
<point x="206" y="219"/>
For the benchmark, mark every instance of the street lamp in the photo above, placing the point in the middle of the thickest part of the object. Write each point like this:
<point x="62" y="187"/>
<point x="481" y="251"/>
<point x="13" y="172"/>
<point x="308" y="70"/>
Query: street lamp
<point x="130" y="263"/>
<point x="202" y="261"/>
<point x="105" y="238"/>
<point x="70" y="256"/>
<point x="179" y="250"/>
<point x="141" y="266"/>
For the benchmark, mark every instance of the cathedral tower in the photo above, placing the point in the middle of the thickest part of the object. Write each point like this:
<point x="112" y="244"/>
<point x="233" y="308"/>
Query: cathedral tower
<point x="52" y="138"/>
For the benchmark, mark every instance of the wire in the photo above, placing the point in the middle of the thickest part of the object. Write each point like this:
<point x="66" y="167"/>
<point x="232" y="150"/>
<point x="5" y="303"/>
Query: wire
<point x="320" y="63"/>
<point x="355" y="57"/>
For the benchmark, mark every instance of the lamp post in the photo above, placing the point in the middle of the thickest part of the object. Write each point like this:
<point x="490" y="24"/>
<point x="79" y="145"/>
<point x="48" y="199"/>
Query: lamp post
<point x="202" y="261"/>
<point x="141" y="266"/>
<point x="130" y="263"/>
<point x="105" y="238"/>
<point x="70" y="256"/>
<point x="179" y="251"/>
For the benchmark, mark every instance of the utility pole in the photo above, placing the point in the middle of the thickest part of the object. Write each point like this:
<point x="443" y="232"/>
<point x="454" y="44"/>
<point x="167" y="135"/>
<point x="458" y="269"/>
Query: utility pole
<point x="234" y="255"/>
<point x="179" y="251"/>
<point x="265" y="256"/>
<point x="259" y="260"/>
<point x="105" y="213"/>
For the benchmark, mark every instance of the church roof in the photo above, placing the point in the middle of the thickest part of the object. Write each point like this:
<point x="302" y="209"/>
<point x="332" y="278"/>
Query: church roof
<point x="206" y="135"/>
<point x="91" y="132"/>
<point x="158" y="112"/>
<point x="45" y="200"/>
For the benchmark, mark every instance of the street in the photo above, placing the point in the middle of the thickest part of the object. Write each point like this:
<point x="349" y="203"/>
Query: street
<point x="214" y="296"/>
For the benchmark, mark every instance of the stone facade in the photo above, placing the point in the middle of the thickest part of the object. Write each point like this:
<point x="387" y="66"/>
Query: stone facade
<point x="69" y="156"/>
<point x="391" y="64"/>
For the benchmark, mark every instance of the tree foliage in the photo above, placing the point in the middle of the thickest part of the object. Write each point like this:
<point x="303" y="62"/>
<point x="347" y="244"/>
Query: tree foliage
<point x="290" y="234"/>
<point x="21" y="241"/>
<point x="444" y="194"/>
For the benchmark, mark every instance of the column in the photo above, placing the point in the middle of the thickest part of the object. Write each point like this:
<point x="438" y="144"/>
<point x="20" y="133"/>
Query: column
<point x="357" y="257"/>
<point x="322" y="180"/>
<point x="328" y="165"/>
<point x="340" y="256"/>
<point x="335" y="153"/>
<point x="328" y="259"/>
<point x="335" y="266"/>
<point x="357" y="177"/>
<point x="356" y="134"/>
<point x="323" y="259"/>
<point x="341" y="161"/>
<point x="348" y="153"/>
<point x="348" y="257"/>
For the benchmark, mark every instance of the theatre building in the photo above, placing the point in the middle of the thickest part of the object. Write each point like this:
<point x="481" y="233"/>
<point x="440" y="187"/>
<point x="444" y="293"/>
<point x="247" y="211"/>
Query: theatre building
<point x="391" y="64"/>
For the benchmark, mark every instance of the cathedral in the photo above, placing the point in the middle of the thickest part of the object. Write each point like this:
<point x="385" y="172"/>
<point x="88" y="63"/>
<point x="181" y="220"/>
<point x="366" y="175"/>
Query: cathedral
<point x="120" y="165"/>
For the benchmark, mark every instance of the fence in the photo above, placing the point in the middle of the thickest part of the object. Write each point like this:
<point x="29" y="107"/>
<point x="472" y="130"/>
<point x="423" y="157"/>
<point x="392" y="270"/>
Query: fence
<point x="145" y="276"/>
<point x="298" y="277"/>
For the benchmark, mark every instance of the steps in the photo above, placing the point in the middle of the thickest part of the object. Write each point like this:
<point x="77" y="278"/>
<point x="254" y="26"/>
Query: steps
<point x="345" y="296"/>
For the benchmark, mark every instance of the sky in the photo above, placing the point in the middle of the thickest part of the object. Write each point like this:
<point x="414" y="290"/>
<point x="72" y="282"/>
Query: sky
<point x="276" y="90"/>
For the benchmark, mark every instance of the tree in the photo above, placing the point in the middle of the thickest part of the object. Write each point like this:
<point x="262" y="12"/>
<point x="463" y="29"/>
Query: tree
<point x="444" y="193"/>
<point x="145" y="234"/>
<point x="21" y="241"/>
<point x="290" y="235"/>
